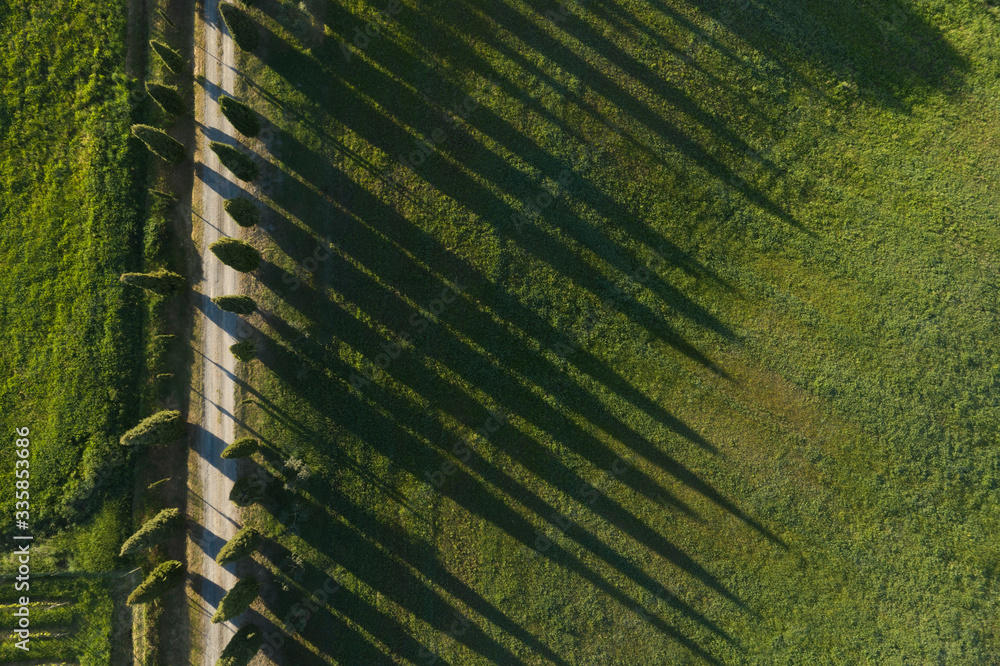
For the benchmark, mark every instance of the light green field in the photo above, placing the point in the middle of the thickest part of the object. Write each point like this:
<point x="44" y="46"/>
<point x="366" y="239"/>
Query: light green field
<point x="745" y="354"/>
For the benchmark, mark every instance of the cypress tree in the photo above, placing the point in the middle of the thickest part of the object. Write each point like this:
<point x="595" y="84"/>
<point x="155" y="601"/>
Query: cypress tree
<point x="241" y="448"/>
<point x="244" y="351"/>
<point x="236" y="161"/>
<point x="242" y="210"/>
<point x="166" y="97"/>
<point x="242" y="544"/>
<point x="241" y="27"/>
<point x="160" y="143"/>
<point x="240" y="115"/>
<point x="156" y="530"/>
<point x="241" y="647"/>
<point x="171" y="58"/>
<point x="237" y="600"/>
<point x="160" y="281"/>
<point x="236" y="253"/>
<point x="167" y="575"/>
<point x="241" y="305"/>
<point x="156" y="430"/>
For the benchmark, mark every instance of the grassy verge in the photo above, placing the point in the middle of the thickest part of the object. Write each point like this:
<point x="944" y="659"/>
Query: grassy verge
<point x="658" y="333"/>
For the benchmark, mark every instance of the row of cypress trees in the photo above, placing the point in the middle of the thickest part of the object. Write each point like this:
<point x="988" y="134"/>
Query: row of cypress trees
<point x="167" y="426"/>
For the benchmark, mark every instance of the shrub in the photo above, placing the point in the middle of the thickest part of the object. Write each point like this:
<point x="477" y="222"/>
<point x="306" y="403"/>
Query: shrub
<point x="236" y="161"/>
<point x="167" y="98"/>
<point x="241" y="647"/>
<point x="242" y="210"/>
<point x="244" y="351"/>
<point x="155" y="530"/>
<point x="245" y="492"/>
<point x="241" y="27"/>
<point x="160" y="143"/>
<point x="240" y="115"/>
<point x="172" y="59"/>
<point x="237" y="600"/>
<point x="241" y="305"/>
<point x="156" y="430"/>
<point x="159" y="281"/>
<point x="167" y="575"/>
<point x="241" y="448"/>
<point x="241" y="545"/>
<point x="236" y="253"/>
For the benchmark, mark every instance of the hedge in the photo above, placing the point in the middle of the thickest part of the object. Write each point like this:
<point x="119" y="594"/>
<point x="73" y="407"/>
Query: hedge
<point x="161" y="281"/>
<point x="241" y="305"/>
<point x="241" y="27"/>
<point x="156" y="430"/>
<point x="156" y="530"/>
<point x="242" y="544"/>
<point x="160" y="143"/>
<point x="241" y="448"/>
<point x="172" y="59"/>
<point x="242" y="117"/>
<point x="168" y="575"/>
<point x="244" y="351"/>
<point x="236" y="161"/>
<point x="241" y="647"/>
<point x="237" y="600"/>
<point x="167" y="97"/>
<point x="242" y="210"/>
<point x="236" y="253"/>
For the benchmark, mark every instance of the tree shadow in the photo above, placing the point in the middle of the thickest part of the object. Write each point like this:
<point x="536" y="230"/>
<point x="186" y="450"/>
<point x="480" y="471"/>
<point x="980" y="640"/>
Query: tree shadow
<point x="885" y="49"/>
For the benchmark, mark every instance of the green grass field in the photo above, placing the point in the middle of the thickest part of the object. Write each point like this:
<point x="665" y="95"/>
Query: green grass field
<point x="734" y="371"/>
<point x="72" y="189"/>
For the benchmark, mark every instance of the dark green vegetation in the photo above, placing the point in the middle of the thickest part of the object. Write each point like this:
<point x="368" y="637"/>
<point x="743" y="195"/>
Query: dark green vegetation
<point x="236" y="161"/>
<point x="171" y="58"/>
<point x="160" y="143"/>
<point x="241" y="448"/>
<point x="242" y="544"/>
<point x="161" y="281"/>
<point x="241" y="305"/>
<point x="161" y="428"/>
<point x="242" y="28"/>
<point x="241" y="647"/>
<point x="243" y="211"/>
<point x="156" y="530"/>
<point x="237" y="600"/>
<point x="242" y="117"/>
<point x="244" y="351"/>
<point x="733" y="367"/>
<point x="164" y="577"/>
<point x="167" y="97"/>
<point x="236" y="253"/>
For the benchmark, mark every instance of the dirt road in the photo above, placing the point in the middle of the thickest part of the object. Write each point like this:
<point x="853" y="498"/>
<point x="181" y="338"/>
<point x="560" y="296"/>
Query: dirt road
<point x="212" y="477"/>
